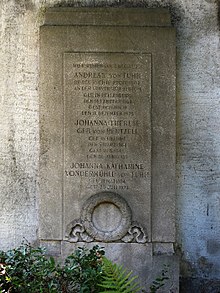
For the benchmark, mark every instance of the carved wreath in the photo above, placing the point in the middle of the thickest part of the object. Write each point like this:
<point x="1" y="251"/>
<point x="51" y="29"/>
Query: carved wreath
<point x="83" y="229"/>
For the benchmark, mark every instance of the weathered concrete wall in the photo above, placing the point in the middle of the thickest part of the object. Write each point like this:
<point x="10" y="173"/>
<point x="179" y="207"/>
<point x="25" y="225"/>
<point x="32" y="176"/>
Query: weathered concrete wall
<point x="198" y="157"/>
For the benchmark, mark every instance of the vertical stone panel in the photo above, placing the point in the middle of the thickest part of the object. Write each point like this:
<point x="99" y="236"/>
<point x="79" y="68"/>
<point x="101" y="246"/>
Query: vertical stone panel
<point x="108" y="132"/>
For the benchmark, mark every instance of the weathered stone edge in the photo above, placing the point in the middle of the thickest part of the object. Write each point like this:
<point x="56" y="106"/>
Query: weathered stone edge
<point x="107" y="16"/>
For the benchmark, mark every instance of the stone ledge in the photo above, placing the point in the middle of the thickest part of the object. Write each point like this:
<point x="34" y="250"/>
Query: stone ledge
<point x="108" y="17"/>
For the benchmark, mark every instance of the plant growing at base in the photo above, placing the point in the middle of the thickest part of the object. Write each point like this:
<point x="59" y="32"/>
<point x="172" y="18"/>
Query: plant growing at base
<point x="117" y="279"/>
<point x="28" y="270"/>
<point x="160" y="280"/>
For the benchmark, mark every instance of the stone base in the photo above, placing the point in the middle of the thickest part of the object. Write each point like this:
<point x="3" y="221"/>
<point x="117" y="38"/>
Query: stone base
<point x="140" y="258"/>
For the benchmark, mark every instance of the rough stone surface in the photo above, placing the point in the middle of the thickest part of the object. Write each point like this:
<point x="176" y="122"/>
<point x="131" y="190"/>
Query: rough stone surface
<point x="198" y="218"/>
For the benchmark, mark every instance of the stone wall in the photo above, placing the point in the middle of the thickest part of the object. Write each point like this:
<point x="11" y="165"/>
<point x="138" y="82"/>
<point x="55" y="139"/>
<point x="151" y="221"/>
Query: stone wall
<point x="198" y="137"/>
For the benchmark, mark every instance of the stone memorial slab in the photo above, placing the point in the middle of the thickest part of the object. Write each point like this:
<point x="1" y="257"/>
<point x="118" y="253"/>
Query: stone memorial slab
<point x="107" y="135"/>
<point x="107" y="127"/>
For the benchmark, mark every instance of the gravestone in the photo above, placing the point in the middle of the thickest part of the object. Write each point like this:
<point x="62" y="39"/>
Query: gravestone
<point x="107" y="133"/>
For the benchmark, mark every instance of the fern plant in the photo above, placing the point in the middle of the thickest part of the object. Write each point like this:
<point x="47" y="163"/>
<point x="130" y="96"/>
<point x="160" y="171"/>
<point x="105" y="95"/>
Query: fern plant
<point x="116" y="279"/>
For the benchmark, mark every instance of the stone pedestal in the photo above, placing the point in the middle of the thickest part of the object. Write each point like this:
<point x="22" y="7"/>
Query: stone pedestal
<point x="107" y="117"/>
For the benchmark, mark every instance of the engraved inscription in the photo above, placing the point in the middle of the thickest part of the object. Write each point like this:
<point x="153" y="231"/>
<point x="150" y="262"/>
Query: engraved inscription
<point x="105" y="117"/>
<point x="107" y="126"/>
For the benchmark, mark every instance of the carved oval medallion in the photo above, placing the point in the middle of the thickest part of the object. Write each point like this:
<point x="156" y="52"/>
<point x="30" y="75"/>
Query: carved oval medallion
<point x="106" y="216"/>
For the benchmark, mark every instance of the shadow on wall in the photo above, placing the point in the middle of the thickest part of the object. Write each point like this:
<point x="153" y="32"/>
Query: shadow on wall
<point x="218" y="2"/>
<point x="174" y="8"/>
<point x="188" y="285"/>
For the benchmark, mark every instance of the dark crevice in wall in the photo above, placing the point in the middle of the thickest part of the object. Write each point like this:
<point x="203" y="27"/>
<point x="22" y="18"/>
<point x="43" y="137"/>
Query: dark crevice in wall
<point x="218" y="3"/>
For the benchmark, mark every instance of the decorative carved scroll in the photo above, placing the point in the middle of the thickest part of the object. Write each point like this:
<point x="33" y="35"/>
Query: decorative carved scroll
<point x="90" y="227"/>
<point x="135" y="234"/>
<point x="76" y="232"/>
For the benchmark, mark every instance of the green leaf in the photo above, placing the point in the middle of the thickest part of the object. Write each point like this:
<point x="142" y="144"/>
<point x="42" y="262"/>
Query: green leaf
<point x="117" y="279"/>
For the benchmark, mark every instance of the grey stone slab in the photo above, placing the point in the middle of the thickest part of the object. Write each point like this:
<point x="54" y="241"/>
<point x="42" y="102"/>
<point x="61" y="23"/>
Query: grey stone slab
<point x="163" y="248"/>
<point x="53" y="248"/>
<point x="164" y="145"/>
<point x="108" y="16"/>
<point x="62" y="200"/>
<point x="51" y="146"/>
<point x="107" y="132"/>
